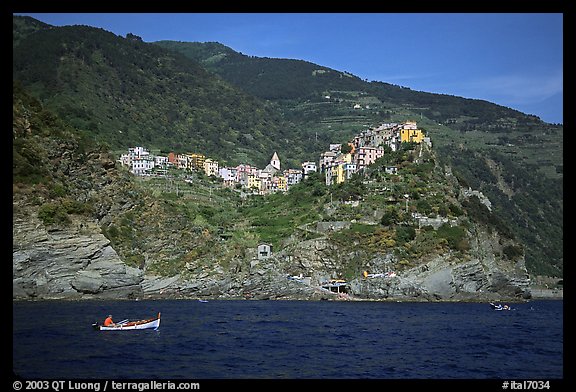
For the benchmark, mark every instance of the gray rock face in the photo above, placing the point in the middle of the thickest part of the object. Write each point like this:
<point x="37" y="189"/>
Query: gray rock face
<point x="79" y="262"/>
<point x="89" y="282"/>
<point x="484" y="273"/>
<point x="486" y="276"/>
<point x="68" y="263"/>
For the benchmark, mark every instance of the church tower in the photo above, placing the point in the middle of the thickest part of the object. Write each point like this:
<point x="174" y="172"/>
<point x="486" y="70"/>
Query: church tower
<point x="275" y="161"/>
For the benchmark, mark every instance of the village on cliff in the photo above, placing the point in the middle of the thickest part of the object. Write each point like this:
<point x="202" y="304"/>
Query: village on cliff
<point x="338" y="164"/>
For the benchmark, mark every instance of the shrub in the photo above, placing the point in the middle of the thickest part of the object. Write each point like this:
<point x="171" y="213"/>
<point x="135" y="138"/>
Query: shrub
<point x="76" y="207"/>
<point x="455" y="210"/>
<point x="455" y="236"/>
<point x="390" y="217"/>
<point x="513" y="251"/>
<point x="53" y="213"/>
<point x="57" y="212"/>
<point x="111" y="232"/>
<point x="405" y="234"/>
<point x="423" y="206"/>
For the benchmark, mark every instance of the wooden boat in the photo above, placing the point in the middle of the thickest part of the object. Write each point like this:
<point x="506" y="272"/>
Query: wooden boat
<point x="153" y="323"/>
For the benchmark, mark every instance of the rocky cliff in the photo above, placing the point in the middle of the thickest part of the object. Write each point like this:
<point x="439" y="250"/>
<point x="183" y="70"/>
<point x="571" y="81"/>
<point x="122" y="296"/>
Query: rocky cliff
<point x="69" y="263"/>
<point x="84" y="228"/>
<point x="78" y="262"/>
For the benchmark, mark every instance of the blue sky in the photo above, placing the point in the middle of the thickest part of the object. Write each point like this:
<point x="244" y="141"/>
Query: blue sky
<point x="512" y="59"/>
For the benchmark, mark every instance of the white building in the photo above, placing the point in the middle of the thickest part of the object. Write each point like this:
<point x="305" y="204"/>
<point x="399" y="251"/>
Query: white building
<point x="391" y="170"/>
<point x="265" y="180"/>
<point x="335" y="147"/>
<point x="140" y="165"/>
<point x="326" y="159"/>
<point x="409" y="125"/>
<point x="211" y="167"/>
<point x="160" y="161"/>
<point x="138" y="151"/>
<point x="139" y="160"/>
<point x="308" y="167"/>
<point x="182" y="162"/>
<point x="293" y="176"/>
<point x="349" y="169"/>
<point x="264" y="251"/>
<point x="275" y="161"/>
<point x="228" y="175"/>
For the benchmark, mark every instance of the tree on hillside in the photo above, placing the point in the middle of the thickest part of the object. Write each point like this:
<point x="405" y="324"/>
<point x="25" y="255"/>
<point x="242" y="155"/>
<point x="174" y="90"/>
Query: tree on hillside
<point x="345" y="148"/>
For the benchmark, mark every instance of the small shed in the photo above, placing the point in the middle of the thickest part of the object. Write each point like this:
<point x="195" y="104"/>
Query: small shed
<point x="336" y="286"/>
<point x="264" y="251"/>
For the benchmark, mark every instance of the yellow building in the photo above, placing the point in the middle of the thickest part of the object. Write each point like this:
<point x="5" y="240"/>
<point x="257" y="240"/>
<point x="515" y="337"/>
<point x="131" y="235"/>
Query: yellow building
<point x="341" y="173"/>
<point x="339" y="170"/>
<point x="411" y="135"/>
<point x="346" y="158"/>
<point x="253" y="181"/>
<point x="336" y="174"/>
<point x="194" y="161"/>
<point x="282" y="184"/>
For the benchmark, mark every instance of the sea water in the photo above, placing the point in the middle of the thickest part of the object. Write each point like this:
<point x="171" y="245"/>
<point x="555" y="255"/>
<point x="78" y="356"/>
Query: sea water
<point x="230" y="339"/>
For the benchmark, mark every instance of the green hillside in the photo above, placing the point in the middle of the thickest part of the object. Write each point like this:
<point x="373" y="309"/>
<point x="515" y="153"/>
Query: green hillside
<point x="191" y="97"/>
<point x="514" y="158"/>
<point x="126" y="92"/>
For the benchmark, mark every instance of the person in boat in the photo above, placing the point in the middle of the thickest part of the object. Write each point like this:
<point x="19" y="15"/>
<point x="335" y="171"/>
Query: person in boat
<point x="109" y="322"/>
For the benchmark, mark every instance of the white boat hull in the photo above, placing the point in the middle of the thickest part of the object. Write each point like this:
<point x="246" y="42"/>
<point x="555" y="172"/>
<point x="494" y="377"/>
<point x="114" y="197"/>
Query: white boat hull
<point x="134" y="325"/>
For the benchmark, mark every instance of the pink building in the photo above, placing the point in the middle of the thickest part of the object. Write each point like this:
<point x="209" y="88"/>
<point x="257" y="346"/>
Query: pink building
<point x="365" y="156"/>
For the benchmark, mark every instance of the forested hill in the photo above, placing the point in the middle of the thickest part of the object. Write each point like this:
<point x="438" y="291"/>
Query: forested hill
<point x="126" y="92"/>
<point x="268" y="78"/>
<point x="278" y="79"/>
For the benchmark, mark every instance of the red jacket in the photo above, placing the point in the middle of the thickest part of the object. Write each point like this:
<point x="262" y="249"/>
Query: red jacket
<point x="108" y="321"/>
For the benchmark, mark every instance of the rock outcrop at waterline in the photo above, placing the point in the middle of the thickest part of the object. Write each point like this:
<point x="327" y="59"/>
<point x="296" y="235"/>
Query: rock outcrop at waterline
<point x="78" y="262"/>
<point x="68" y="263"/>
<point x="484" y="274"/>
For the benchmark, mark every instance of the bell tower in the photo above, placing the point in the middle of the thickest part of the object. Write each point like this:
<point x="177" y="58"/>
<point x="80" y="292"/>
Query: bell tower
<point x="275" y="161"/>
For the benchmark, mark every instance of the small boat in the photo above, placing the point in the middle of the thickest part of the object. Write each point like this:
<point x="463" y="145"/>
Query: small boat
<point x="500" y="307"/>
<point x="125" y="325"/>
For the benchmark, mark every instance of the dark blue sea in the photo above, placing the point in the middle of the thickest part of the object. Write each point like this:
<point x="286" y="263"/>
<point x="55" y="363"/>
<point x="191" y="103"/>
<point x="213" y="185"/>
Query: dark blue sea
<point x="289" y="340"/>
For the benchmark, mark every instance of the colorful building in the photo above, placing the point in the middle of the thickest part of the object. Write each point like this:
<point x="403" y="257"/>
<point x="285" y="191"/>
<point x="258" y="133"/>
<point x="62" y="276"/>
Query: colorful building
<point x="367" y="155"/>
<point x="410" y="133"/>
<point x="211" y="167"/>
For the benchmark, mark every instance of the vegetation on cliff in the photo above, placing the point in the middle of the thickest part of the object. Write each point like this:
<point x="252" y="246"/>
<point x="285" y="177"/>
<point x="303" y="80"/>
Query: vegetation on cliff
<point x="513" y="158"/>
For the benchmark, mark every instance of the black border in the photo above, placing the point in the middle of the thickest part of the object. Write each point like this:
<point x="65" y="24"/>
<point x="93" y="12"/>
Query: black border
<point x="424" y="6"/>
